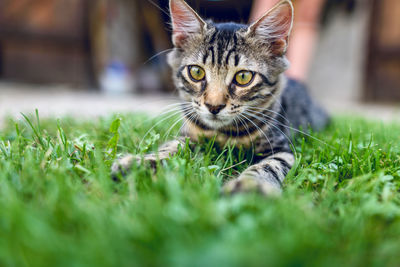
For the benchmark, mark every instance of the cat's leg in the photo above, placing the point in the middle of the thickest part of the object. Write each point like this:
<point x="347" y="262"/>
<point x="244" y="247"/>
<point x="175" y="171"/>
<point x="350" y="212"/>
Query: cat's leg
<point x="123" y="165"/>
<point x="265" y="177"/>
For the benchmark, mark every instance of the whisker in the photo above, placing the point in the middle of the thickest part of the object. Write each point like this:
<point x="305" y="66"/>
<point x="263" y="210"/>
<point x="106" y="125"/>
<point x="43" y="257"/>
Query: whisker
<point x="194" y="115"/>
<point x="294" y="129"/>
<point x="187" y="112"/>
<point x="179" y="107"/>
<point x="174" y="107"/>
<point x="170" y="128"/>
<point x="237" y="126"/>
<point x="271" y="124"/>
<point x="158" y="7"/>
<point x="248" y="132"/>
<point x="278" y="100"/>
<point x="260" y="131"/>
<point x="269" y="110"/>
<point x="158" y="54"/>
<point x="155" y="125"/>
<point x="138" y="107"/>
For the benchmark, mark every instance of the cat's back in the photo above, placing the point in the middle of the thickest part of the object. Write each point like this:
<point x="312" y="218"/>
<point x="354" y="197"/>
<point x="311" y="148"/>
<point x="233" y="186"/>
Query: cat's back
<point x="300" y="109"/>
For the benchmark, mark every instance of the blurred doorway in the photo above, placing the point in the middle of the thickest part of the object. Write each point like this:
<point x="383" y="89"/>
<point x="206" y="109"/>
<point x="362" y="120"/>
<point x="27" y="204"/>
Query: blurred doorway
<point x="45" y="41"/>
<point x="382" y="79"/>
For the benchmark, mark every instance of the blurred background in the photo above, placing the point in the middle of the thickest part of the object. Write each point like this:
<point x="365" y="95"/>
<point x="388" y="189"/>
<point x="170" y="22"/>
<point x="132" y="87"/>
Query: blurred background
<point x="93" y="57"/>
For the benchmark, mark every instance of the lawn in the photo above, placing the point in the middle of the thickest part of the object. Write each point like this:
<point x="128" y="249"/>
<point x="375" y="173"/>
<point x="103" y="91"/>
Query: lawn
<point x="59" y="207"/>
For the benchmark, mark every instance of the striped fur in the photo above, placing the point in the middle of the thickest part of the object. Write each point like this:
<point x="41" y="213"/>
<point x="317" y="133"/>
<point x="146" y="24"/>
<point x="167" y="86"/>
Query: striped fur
<point x="259" y="114"/>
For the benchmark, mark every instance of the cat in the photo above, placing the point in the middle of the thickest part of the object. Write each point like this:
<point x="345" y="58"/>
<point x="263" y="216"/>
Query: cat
<point x="231" y="79"/>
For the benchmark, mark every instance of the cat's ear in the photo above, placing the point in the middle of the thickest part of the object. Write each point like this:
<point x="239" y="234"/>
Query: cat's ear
<point x="185" y="22"/>
<point x="274" y="27"/>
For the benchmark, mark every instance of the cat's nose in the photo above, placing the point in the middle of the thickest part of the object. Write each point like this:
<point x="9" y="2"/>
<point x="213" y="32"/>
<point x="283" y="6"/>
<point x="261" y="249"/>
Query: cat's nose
<point x="214" y="109"/>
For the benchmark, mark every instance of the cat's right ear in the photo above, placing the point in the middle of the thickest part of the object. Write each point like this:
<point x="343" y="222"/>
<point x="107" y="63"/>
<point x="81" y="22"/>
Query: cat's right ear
<point x="274" y="27"/>
<point x="185" y="22"/>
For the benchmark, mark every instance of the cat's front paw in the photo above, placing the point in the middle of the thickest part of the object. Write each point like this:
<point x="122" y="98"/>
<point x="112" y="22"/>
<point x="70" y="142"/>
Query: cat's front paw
<point x="122" y="166"/>
<point x="249" y="184"/>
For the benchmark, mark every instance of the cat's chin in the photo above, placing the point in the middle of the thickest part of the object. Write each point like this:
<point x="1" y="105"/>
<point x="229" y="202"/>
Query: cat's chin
<point x="216" y="123"/>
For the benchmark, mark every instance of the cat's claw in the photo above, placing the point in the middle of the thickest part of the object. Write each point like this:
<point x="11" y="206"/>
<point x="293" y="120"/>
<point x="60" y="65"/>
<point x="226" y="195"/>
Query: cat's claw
<point x="250" y="185"/>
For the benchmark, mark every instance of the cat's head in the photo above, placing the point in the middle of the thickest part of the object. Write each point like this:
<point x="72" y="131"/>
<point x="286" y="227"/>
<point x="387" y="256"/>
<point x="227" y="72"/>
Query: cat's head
<point x="223" y="69"/>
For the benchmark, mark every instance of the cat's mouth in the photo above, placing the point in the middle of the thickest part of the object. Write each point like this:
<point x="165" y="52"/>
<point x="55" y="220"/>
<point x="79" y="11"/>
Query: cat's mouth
<point x="214" y="117"/>
<point x="216" y="121"/>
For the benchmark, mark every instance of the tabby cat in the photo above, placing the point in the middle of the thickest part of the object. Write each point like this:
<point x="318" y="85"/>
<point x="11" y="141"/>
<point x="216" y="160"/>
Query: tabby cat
<point x="230" y="77"/>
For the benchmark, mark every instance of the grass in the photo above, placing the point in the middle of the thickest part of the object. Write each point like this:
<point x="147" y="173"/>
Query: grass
<point x="59" y="207"/>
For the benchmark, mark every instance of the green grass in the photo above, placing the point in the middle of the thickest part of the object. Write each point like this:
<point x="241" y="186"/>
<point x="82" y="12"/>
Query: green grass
<point x="59" y="207"/>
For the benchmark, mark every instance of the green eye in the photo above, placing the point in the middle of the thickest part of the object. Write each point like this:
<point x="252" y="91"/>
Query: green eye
<point x="196" y="73"/>
<point x="244" y="77"/>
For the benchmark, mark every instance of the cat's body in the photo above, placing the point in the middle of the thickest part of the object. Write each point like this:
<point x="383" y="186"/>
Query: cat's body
<point x="230" y="77"/>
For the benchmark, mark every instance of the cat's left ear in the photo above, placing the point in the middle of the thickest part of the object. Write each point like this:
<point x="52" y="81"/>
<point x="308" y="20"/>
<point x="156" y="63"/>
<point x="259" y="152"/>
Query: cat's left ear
<point x="274" y="27"/>
<point x="185" y="22"/>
